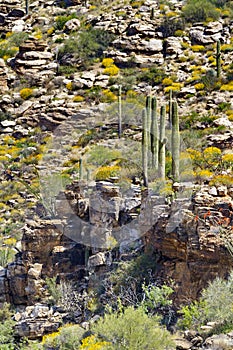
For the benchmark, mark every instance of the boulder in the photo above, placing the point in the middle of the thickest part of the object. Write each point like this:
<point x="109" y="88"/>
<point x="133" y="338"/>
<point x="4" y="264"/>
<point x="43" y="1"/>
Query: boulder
<point x="72" y="25"/>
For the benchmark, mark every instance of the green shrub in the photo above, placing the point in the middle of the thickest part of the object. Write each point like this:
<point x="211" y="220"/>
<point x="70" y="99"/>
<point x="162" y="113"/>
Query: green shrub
<point x="200" y="11"/>
<point x="6" y="328"/>
<point x="87" y="45"/>
<point x="132" y="329"/>
<point x="100" y="155"/>
<point x="215" y="305"/>
<point x="152" y="75"/>
<point x="67" y="338"/>
<point x="209" y="80"/>
<point x="171" y="25"/>
<point x="61" y="20"/>
<point x="193" y="315"/>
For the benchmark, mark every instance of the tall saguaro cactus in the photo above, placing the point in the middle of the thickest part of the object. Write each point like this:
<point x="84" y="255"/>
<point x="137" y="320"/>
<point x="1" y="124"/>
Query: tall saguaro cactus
<point x="154" y="134"/>
<point x="148" y="111"/>
<point x="144" y="148"/>
<point x="175" y="142"/>
<point x="119" y="113"/>
<point x="80" y="169"/>
<point x="218" y="58"/>
<point x="170" y="109"/>
<point x="27" y="6"/>
<point x="162" y="143"/>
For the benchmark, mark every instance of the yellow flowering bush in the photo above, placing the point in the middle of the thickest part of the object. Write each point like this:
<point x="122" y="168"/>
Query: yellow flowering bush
<point x="219" y="180"/>
<point x="167" y="81"/>
<point x="108" y="96"/>
<point x="174" y="87"/>
<point x="26" y="93"/>
<point x="227" y="87"/>
<point x="111" y="70"/>
<point x="78" y="98"/>
<point x="199" y="86"/>
<point x="69" y="86"/>
<point x="107" y="62"/>
<point x="91" y="343"/>
<point x="50" y="31"/>
<point x="197" y="48"/>
<point x="227" y="48"/>
<point x="203" y="174"/>
<point x="171" y="14"/>
<point x="212" y="155"/>
<point x="228" y="158"/>
<point x="106" y="172"/>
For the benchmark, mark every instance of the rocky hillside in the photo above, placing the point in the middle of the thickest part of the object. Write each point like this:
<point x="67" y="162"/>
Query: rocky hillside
<point x="75" y="208"/>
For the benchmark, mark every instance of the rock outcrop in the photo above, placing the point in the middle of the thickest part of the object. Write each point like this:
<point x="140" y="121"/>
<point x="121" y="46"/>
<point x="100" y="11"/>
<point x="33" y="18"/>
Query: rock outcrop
<point x="195" y="251"/>
<point x="189" y="236"/>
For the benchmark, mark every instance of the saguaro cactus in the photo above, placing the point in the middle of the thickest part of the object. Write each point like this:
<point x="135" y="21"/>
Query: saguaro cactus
<point x="27" y="6"/>
<point x="175" y="142"/>
<point x="218" y="58"/>
<point x="144" y="148"/>
<point x="162" y="143"/>
<point x="119" y="113"/>
<point x="170" y="109"/>
<point x="148" y="111"/>
<point x="80" y="169"/>
<point x="152" y="13"/>
<point x="154" y="134"/>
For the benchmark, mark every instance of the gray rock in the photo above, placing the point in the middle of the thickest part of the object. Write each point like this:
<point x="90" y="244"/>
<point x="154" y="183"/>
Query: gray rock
<point x="72" y="25"/>
<point x="152" y="45"/>
<point x="96" y="260"/>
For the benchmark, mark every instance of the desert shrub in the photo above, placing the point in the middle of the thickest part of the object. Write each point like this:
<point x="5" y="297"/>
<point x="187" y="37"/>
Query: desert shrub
<point x="78" y="98"/>
<point x="167" y="81"/>
<point x="70" y="86"/>
<point x="228" y="158"/>
<point x="219" y="180"/>
<point x="111" y="70"/>
<point x="199" y="86"/>
<point x="61" y="20"/>
<point x="209" y="80"/>
<point x="87" y="45"/>
<point x="227" y="87"/>
<point x="10" y="46"/>
<point x="197" y="48"/>
<point x="218" y="299"/>
<point x="67" y="337"/>
<point x="193" y="315"/>
<point x="152" y="76"/>
<point x="215" y="305"/>
<point x="26" y="93"/>
<point x="107" y="62"/>
<point x="7" y="341"/>
<point x="91" y="342"/>
<point x="199" y="11"/>
<point x="132" y="329"/>
<point x="108" y="96"/>
<point x="175" y="87"/>
<point x="105" y="172"/>
<point x="171" y="25"/>
<point x="212" y="156"/>
<point x="100" y="155"/>
<point x="157" y="300"/>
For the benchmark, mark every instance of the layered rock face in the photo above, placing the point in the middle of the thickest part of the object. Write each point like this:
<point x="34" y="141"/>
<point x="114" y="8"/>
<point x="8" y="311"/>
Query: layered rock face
<point x="7" y="5"/>
<point x="195" y="251"/>
<point x="3" y="76"/>
<point x="189" y="236"/>
<point x="45" y="252"/>
<point x="33" y="57"/>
